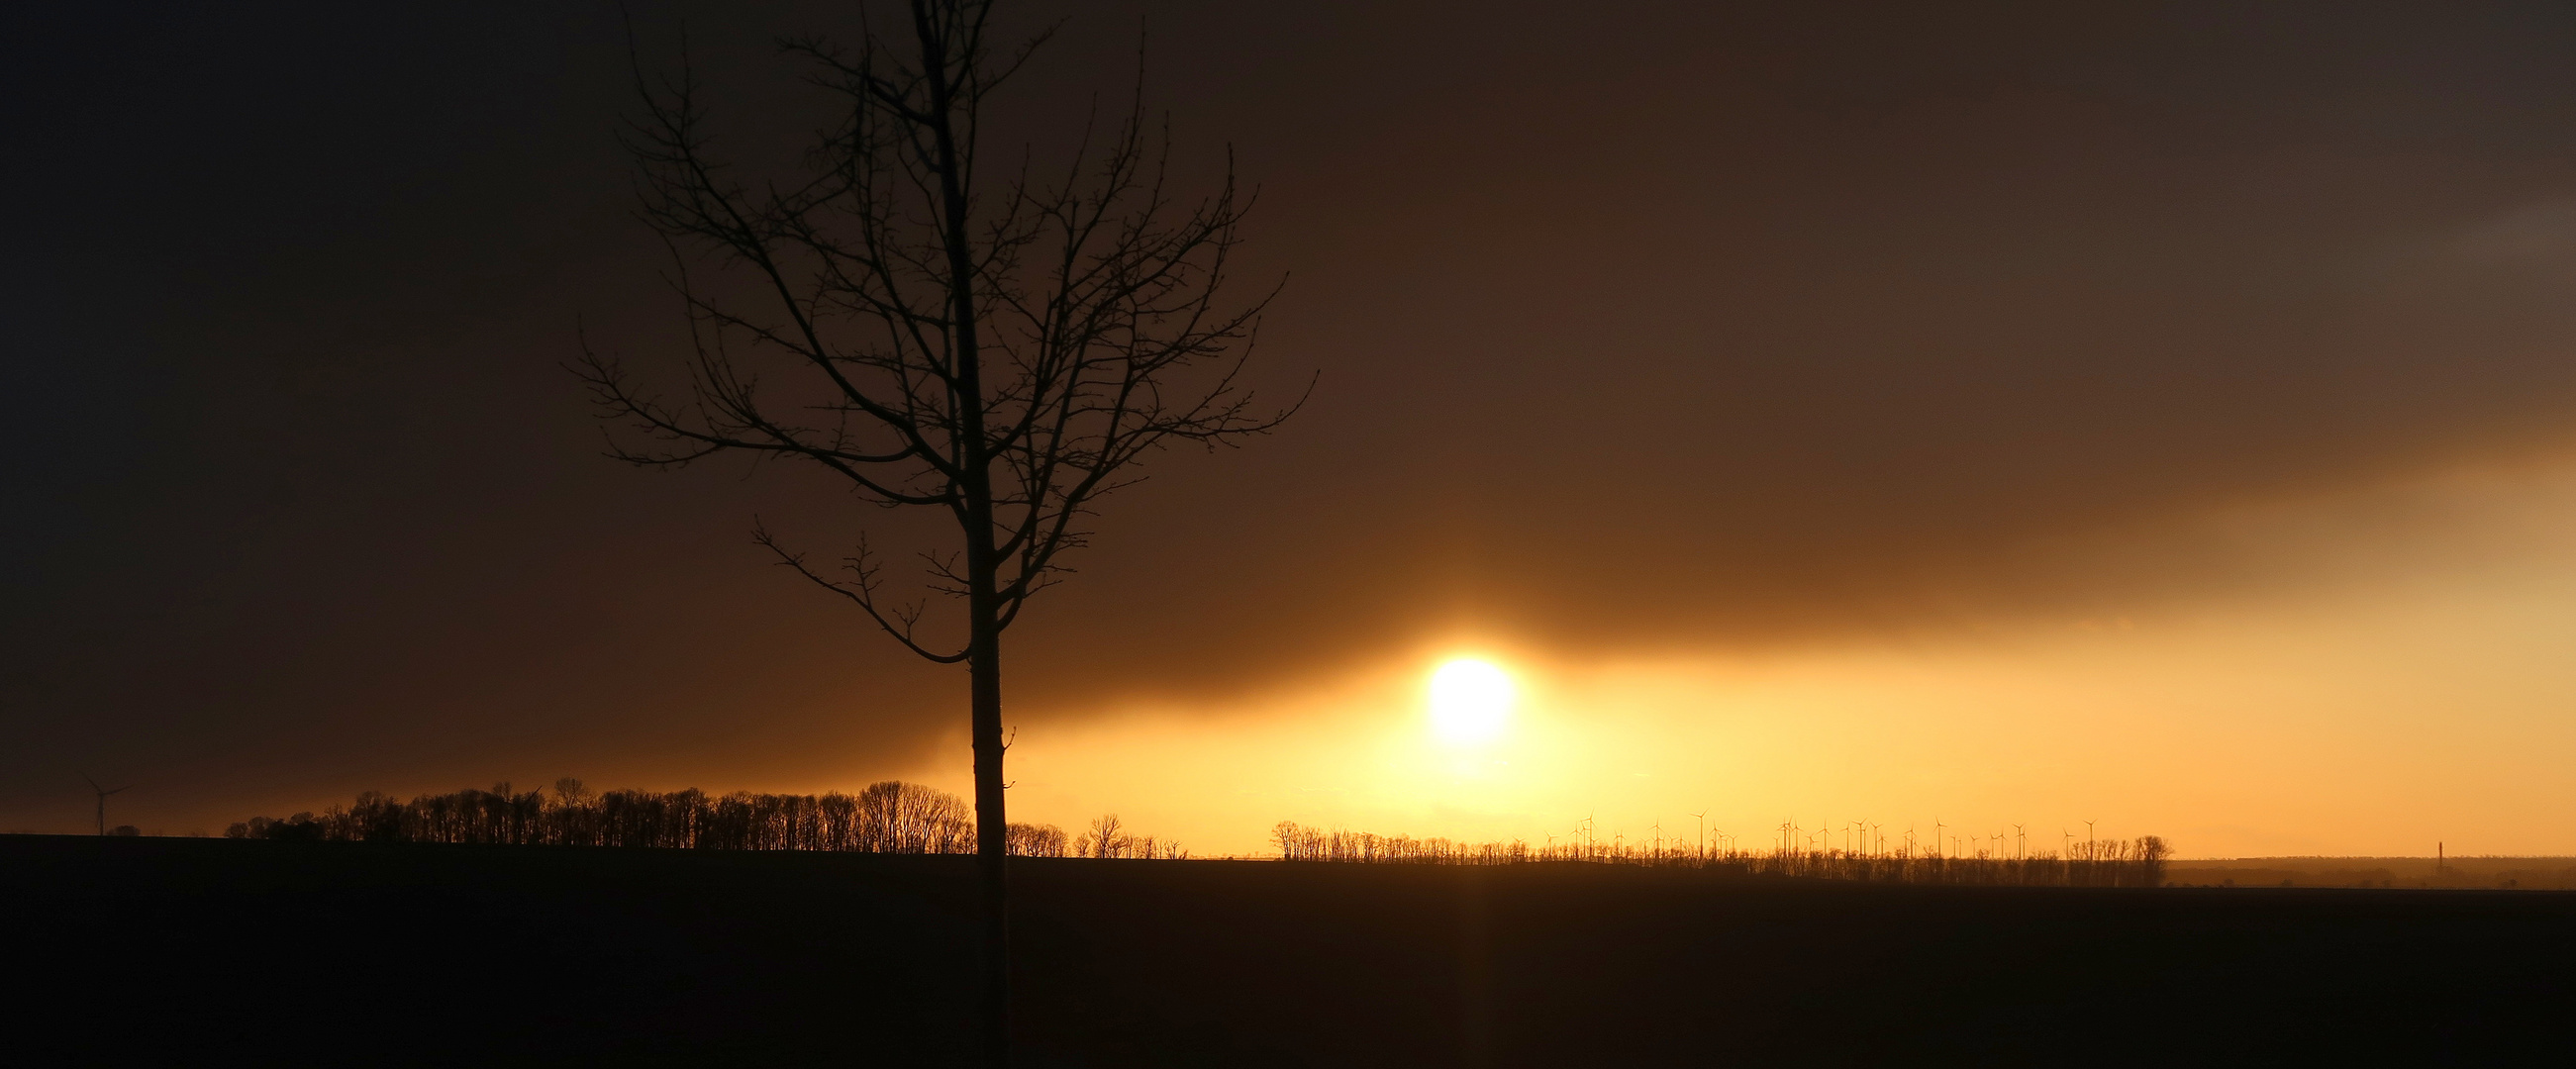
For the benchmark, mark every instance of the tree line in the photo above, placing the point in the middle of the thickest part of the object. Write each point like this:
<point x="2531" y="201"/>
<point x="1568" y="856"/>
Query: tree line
<point x="892" y="817"/>
<point x="2138" y="862"/>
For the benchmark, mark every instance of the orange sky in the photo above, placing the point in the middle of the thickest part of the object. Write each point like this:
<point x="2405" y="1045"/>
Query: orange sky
<point x="2158" y="413"/>
<point x="2389" y="687"/>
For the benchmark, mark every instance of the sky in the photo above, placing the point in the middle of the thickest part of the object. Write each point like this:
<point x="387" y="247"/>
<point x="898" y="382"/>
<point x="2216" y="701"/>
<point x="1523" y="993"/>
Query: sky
<point x="1896" y="414"/>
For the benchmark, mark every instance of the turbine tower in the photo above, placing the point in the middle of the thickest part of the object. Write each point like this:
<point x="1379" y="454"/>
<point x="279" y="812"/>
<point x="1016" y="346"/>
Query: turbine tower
<point x="102" y="799"/>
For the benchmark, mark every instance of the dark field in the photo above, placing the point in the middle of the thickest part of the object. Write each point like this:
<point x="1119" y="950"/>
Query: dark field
<point x="171" y="951"/>
<point x="2459" y="873"/>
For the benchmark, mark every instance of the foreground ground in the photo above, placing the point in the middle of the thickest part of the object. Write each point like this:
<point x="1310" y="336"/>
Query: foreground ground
<point x="170" y="951"/>
<point x="2459" y="873"/>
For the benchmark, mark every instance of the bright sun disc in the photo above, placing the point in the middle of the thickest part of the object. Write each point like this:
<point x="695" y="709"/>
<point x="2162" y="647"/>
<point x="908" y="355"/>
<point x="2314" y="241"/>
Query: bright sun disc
<point x="1470" y="699"/>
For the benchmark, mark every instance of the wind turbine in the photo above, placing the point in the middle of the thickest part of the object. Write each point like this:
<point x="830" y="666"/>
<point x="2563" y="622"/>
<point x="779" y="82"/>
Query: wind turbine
<point x="1702" y="817"/>
<point x="102" y="799"/>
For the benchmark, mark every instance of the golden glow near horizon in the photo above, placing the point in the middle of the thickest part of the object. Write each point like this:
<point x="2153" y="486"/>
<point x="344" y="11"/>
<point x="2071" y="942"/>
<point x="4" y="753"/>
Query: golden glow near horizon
<point x="1471" y="701"/>
<point x="2405" y="687"/>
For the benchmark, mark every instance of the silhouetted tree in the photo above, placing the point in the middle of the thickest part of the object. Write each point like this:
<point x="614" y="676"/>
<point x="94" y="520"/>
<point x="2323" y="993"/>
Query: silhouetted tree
<point x="1105" y="839"/>
<point x="1038" y="840"/>
<point x="1002" y="345"/>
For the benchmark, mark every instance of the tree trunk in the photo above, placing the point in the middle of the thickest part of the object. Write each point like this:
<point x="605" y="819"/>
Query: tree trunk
<point x="992" y="831"/>
<point x="975" y="515"/>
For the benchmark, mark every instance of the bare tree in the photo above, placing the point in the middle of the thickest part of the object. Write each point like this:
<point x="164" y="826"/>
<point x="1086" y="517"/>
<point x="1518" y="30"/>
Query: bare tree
<point x="1107" y="838"/>
<point x="1003" y="346"/>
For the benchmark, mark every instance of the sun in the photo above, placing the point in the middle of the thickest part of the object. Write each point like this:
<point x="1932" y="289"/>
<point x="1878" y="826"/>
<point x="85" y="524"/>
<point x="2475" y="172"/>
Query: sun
<point x="1470" y="700"/>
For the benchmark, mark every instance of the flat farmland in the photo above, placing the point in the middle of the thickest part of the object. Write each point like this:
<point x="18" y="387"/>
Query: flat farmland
<point x="169" y="951"/>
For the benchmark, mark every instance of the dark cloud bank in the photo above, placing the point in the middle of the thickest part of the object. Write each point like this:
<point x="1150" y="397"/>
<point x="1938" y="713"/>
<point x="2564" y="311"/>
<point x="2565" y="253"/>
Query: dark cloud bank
<point x="1666" y="325"/>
